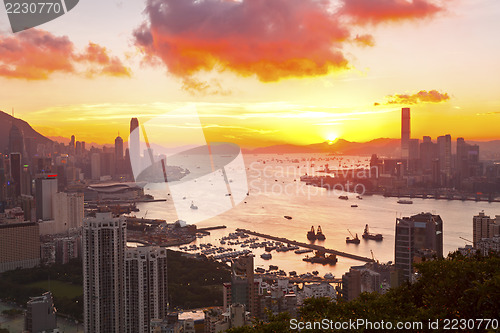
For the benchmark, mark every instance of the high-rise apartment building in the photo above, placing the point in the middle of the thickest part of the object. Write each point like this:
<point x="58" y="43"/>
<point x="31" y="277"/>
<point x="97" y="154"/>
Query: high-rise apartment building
<point x="243" y="289"/>
<point x="483" y="226"/>
<point x="103" y="243"/>
<point x="415" y="234"/>
<point x="146" y="287"/>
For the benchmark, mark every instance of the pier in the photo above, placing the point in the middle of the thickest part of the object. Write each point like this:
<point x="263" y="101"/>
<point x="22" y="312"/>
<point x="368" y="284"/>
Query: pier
<point x="309" y="246"/>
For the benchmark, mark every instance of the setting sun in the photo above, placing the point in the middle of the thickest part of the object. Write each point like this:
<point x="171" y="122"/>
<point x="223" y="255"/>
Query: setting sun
<point x="331" y="137"/>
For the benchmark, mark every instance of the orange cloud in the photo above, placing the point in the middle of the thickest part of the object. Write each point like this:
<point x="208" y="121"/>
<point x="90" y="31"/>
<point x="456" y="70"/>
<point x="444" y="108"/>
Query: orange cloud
<point x="369" y="11"/>
<point x="96" y="54"/>
<point x="364" y="40"/>
<point x="272" y="39"/>
<point x="36" y="54"/>
<point x="431" y="96"/>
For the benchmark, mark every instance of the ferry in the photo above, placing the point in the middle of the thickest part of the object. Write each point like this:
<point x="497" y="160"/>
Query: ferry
<point x="287" y="217"/>
<point x="343" y="197"/>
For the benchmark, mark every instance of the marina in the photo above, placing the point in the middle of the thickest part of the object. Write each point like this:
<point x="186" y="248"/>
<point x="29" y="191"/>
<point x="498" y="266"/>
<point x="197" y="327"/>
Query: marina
<point x="310" y="246"/>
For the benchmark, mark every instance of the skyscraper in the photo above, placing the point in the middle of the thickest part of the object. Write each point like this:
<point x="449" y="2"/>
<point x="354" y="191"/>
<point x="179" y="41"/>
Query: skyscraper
<point x="134" y="143"/>
<point x="104" y="242"/>
<point x="15" y="172"/>
<point x="421" y="232"/>
<point x="95" y="166"/>
<point x="45" y="188"/>
<point x="118" y="148"/>
<point x="444" y="151"/>
<point x="16" y="141"/>
<point x="405" y="133"/>
<point x="146" y="287"/>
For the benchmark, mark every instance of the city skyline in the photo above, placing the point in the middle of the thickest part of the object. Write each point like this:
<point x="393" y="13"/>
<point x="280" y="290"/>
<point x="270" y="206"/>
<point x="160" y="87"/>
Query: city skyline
<point x="370" y="62"/>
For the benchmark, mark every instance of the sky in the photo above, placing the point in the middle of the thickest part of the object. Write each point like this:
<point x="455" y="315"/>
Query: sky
<point x="259" y="72"/>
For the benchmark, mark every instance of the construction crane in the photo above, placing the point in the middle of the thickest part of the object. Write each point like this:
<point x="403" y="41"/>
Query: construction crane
<point x="351" y="234"/>
<point x="466" y="240"/>
<point x="373" y="257"/>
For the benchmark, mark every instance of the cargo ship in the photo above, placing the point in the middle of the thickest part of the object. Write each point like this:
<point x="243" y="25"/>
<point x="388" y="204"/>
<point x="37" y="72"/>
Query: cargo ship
<point x="319" y="234"/>
<point x="368" y="235"/>
<point x="353" y="240"/>
<point x="320" y="258"/>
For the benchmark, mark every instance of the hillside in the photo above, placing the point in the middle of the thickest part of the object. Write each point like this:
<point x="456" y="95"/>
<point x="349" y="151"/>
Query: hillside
<point x="6" y="122"/>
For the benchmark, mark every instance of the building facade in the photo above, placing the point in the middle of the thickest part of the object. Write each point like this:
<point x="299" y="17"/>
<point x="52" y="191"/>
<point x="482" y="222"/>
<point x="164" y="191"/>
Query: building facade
<point x="146" y="287"/>
<point x="104" y="242"/>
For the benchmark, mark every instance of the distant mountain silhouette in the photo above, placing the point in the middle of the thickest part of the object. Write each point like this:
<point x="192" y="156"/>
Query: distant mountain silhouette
<point x="383" y="147"/>
<point x="6" y="121"/>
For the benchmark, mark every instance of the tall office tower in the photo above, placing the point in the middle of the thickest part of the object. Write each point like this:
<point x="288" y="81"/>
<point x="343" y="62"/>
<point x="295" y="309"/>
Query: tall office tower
<point x="484" y="227"/>
<point x="72" y="145"/>
<point x="444" y="151"/>
<point x="45" y="188"/>
<point x="42" y="165"/>
<point x="107" y="164"/>
<point x="19" y="246"/>
<point x="134" y="141"/>
<point x="16" y="140"/>
<point x="428" y="152"/>
<point x="83" y="147"/>
<point x="243" y="289"/>
<point x="3" y="184"/>
<point x="103" y="244"/>
<point x="78" y="148"/>
<point x="467" y="159"/>
<point x="405" y="133"/>
<point x="413" y="154"/>
<point x="415" y="235"/>
<point x="15" y="172"/>
<point x="118" y="148"/>
<point x="145" y="287"/>
<point x="95" y="166"/>
<point x="40" y="314"/>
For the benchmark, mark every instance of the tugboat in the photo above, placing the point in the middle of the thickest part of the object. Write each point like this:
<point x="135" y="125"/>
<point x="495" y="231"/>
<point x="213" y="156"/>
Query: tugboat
<point x="193" y="206"/>
<point x="353" y="240"/>
<point x="343" y="197"/>
<point x="266" y="256"/>
<point x="368" y="235"/>
<point x="287" y="217"/>
<point x="319" y="234"/>
<point x="311" y="235"/>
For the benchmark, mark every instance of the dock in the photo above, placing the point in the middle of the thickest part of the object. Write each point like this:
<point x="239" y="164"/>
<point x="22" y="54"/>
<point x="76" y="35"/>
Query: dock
<point x="309" y="246"/>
